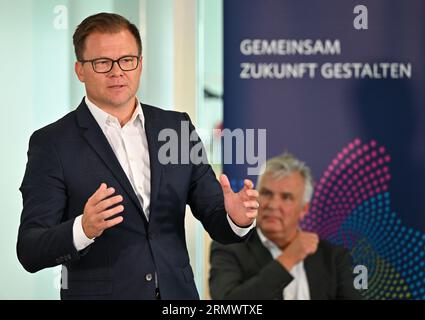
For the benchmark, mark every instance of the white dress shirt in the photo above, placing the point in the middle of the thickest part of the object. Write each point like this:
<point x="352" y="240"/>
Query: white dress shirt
<point x="298" y="288"/>
<point x="130" y="146"/>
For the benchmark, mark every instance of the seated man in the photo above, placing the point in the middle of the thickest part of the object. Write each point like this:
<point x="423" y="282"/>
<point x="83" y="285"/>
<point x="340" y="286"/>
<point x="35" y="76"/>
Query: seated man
<point x="280" y="261"/>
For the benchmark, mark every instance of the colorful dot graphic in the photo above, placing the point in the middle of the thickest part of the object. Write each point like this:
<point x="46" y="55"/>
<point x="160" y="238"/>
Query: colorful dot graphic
<point x="352" y="207"/>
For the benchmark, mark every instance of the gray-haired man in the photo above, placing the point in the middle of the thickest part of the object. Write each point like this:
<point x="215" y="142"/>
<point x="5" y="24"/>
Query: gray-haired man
<point x="280" y="261"/>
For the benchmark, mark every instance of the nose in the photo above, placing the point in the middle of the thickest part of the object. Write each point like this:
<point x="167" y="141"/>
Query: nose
<point x="273" y="203"/>
<point x="116" y="70"/>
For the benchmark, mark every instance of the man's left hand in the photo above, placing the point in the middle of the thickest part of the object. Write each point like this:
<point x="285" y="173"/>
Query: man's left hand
<point x="242" y="207"/>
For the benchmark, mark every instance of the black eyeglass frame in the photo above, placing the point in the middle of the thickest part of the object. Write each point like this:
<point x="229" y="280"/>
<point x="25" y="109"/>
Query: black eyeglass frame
<point x="93" y="61"/>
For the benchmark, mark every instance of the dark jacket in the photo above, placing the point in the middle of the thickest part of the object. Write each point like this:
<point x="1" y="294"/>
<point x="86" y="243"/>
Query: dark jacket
<point x="247" y="271"/>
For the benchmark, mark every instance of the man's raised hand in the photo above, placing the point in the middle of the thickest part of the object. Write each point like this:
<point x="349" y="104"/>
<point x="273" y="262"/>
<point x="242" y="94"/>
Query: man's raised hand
<point x="242" y="207"/>
<point x="98" y="208"/>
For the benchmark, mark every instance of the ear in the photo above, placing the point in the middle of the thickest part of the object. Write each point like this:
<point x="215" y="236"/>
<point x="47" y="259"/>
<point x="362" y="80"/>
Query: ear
<point x="304" y="210"/>
<point x="79" y="70"/>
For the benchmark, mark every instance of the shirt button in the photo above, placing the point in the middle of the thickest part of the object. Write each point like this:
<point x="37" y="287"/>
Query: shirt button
<point x="148" y="277"/>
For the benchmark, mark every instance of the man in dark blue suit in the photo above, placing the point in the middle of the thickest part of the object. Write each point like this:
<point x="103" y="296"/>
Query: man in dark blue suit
<point x="100" y="198"/>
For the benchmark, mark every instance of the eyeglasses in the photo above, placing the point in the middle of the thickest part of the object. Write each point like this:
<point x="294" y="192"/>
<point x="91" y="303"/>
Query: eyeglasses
<point x="104" y="65"/>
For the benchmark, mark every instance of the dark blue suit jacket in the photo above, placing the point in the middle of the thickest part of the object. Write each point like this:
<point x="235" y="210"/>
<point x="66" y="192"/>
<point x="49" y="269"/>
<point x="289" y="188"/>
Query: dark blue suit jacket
<point x="67" y="161"/>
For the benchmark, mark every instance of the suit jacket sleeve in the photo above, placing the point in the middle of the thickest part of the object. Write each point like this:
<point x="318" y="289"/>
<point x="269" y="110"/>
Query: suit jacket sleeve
<point x="205" y="196"/>
<point x="230" y="277"/>
<point x="45" y="239"/>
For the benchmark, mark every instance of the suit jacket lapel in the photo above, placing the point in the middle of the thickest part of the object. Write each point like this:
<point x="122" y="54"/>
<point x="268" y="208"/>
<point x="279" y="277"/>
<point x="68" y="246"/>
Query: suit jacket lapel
<point x="317" y="279"/>
<point x="100" y="144"/>
<point x="152" y="129"/>
<point x="259" y="252"/>
<point x="262" y="256"/>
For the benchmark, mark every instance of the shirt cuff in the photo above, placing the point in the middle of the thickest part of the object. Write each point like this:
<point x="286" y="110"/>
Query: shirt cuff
<point x="241" y="232"/>
<point x="80" y="239"/>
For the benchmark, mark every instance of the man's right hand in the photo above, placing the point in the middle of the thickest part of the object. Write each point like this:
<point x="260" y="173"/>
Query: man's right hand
<point x="304" y="244"/>
<point x="96" y="211"/>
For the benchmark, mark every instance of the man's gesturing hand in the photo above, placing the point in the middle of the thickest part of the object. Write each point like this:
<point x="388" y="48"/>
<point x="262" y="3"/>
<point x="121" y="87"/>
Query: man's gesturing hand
<point x="242" y="207"/>
<point x="96" y="211"/>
